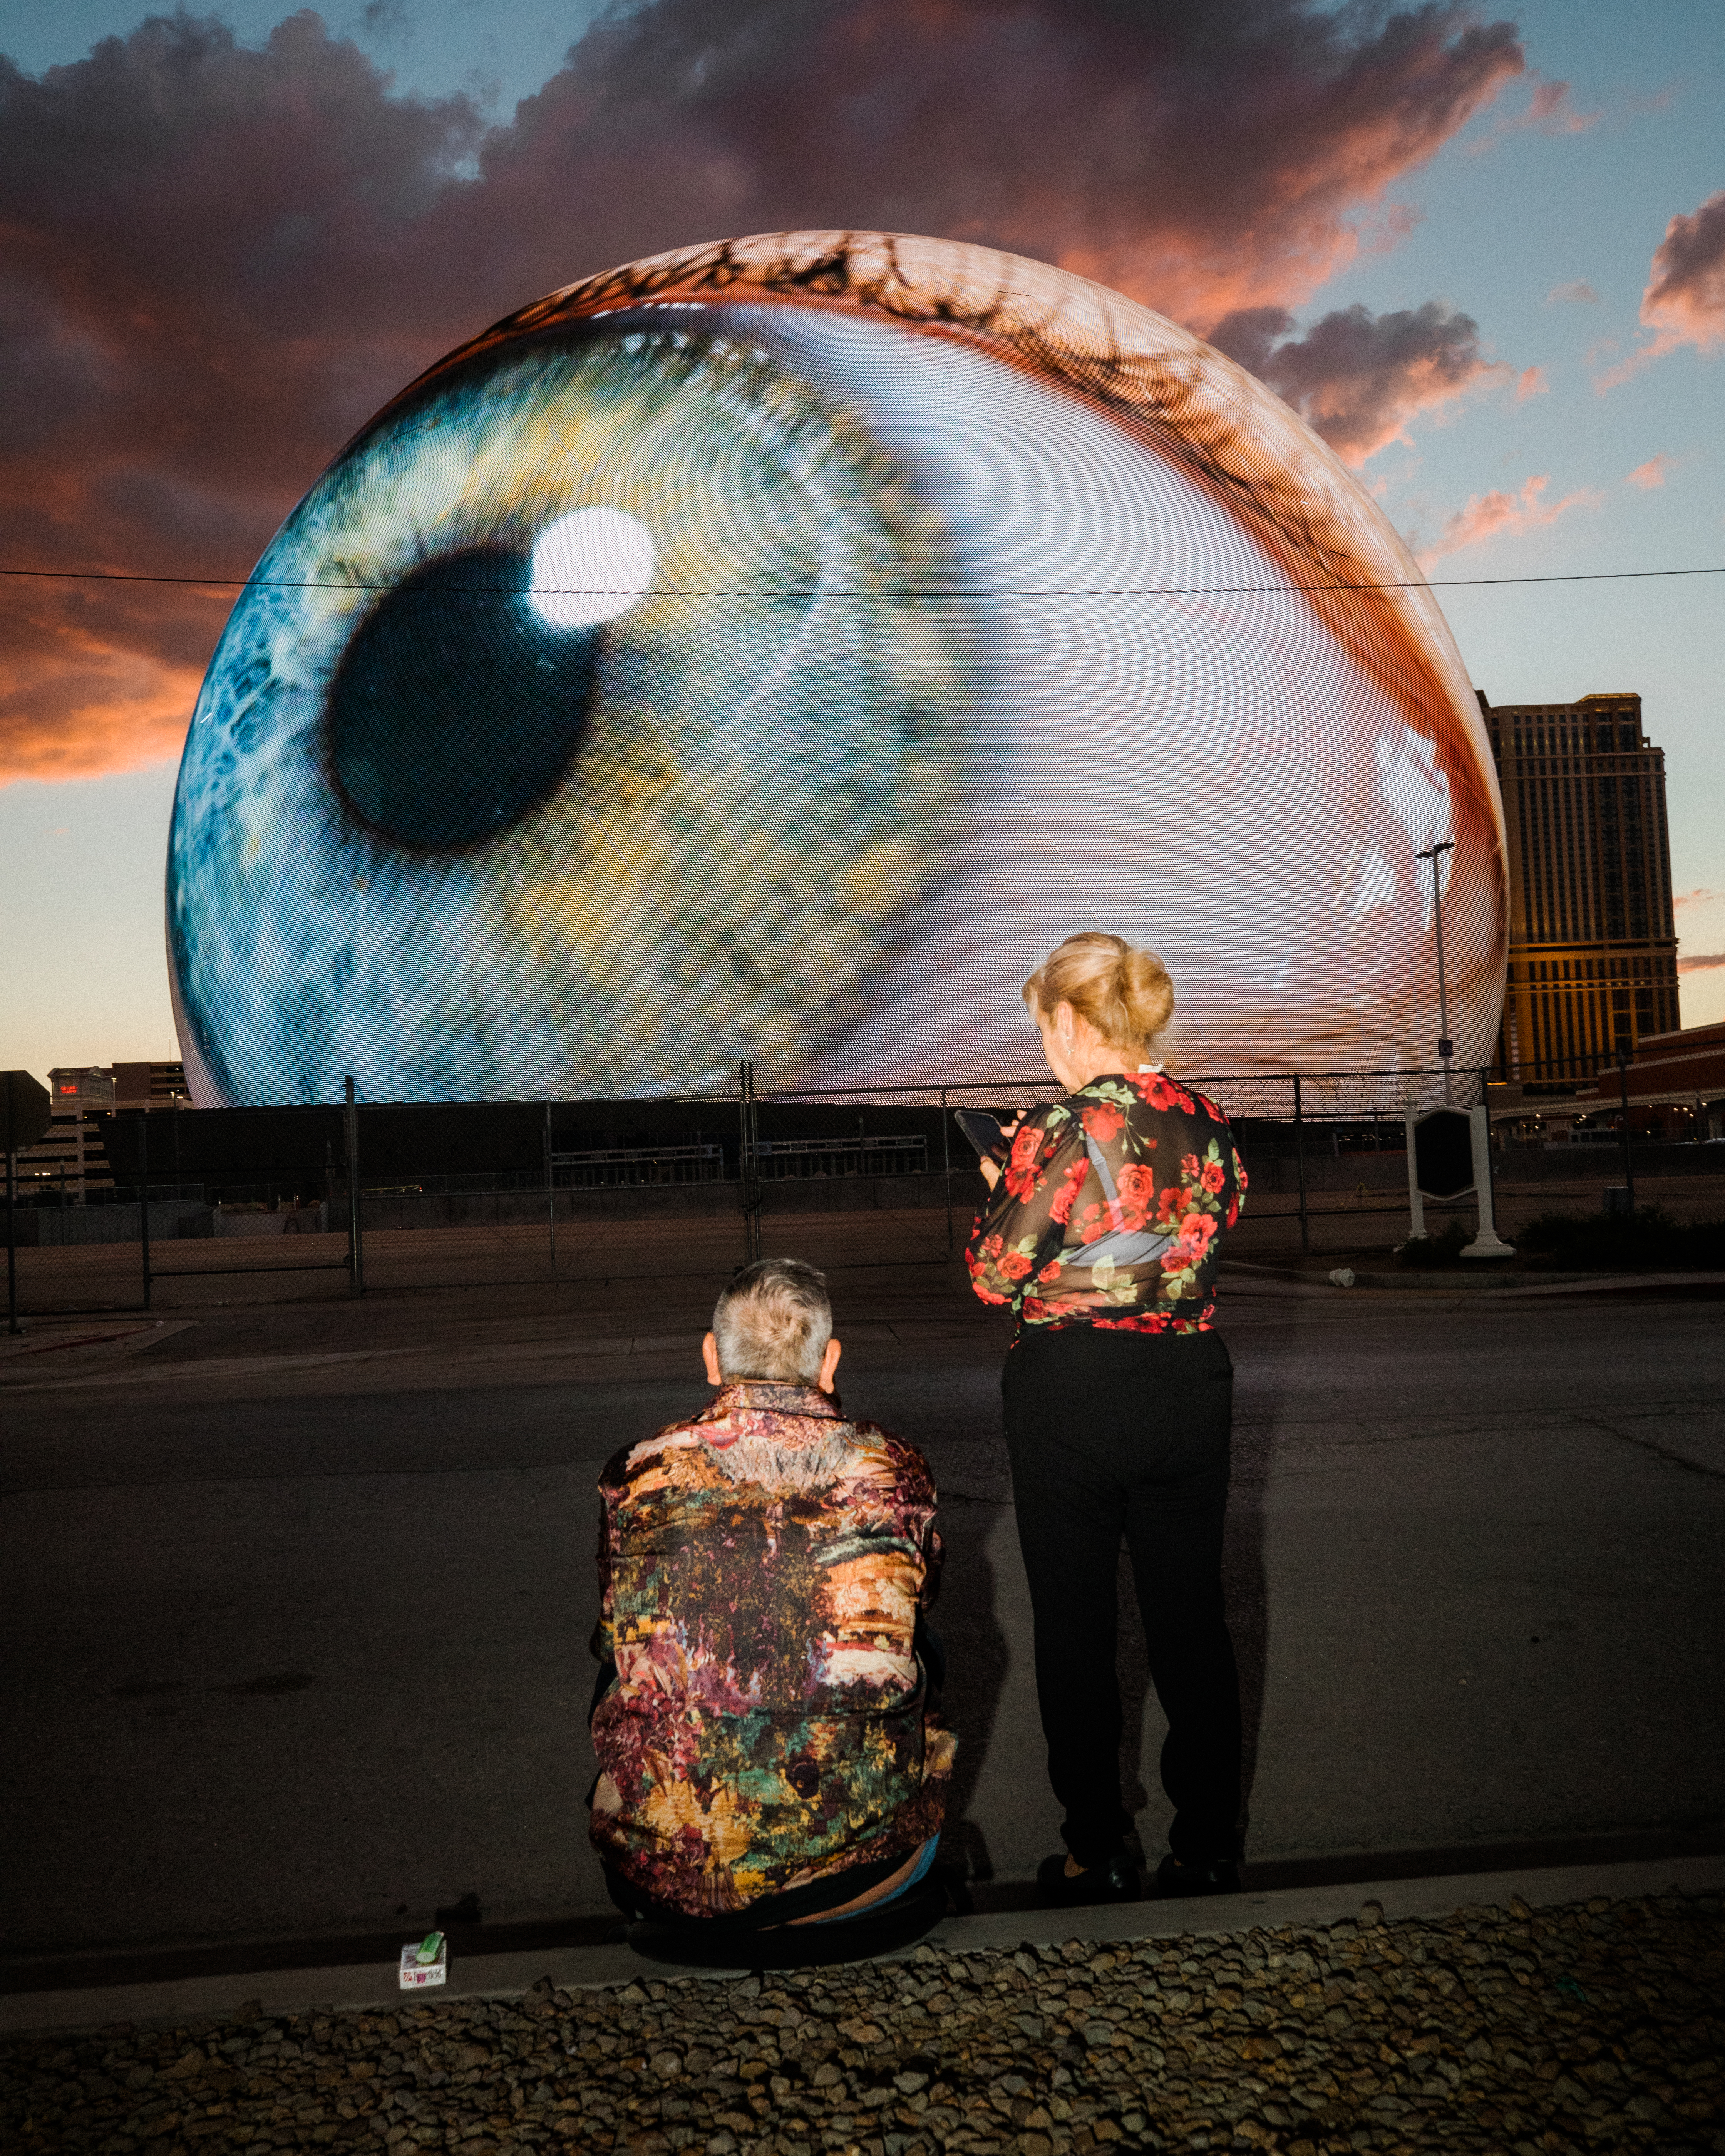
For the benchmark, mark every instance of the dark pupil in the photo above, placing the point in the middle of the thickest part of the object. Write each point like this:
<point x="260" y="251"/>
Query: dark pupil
<point x="455" y="710"/>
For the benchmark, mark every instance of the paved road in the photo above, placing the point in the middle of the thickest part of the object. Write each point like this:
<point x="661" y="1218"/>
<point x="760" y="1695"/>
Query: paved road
<point x="296" y="1602"/>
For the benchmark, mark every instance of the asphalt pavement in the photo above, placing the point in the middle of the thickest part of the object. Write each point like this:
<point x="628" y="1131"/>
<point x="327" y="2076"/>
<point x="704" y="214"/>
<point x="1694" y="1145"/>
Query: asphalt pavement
<point x="297" y="1599"/>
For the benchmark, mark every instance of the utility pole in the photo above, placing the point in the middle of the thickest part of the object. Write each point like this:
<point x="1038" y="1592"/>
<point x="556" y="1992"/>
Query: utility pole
<point x="1446" y="1047"/>
<point x="1625" y="1056"/>
<point x="356" y="1235"/>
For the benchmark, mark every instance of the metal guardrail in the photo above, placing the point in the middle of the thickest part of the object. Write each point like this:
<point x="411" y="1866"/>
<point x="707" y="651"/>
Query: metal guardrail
<point x="608" y="1168"/>
<point x="779" y="1159"/>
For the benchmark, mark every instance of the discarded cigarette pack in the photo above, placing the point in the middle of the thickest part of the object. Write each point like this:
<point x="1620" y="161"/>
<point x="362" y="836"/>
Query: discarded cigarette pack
<point x="425" y="1961"/>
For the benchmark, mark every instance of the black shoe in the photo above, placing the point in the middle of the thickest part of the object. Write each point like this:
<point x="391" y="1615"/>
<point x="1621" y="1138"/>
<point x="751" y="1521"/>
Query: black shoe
<point x="1175" y="1880"/>
<point x="1116" y="1881"/>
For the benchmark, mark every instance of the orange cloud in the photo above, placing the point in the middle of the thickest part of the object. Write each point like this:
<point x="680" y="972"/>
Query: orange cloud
<point x="1358" y="378"/>
<point x="1685" y="299"/>
<point x="249" y="249"/>
<point x="1547" y="111"/>
<point x="1653" y="472"/>
<point x="1550" y="112"/>
<point x="1708" y="909"/>
<point x="1498" y="515"/>
<point x="115" y="708"/>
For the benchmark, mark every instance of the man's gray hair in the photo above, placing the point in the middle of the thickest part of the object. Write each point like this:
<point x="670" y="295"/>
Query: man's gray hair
<point x="773" y="1321"/>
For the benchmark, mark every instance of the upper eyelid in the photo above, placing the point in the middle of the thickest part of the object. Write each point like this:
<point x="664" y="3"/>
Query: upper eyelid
<point x="1160" y="389"/>
<point x="1191" y="401"/>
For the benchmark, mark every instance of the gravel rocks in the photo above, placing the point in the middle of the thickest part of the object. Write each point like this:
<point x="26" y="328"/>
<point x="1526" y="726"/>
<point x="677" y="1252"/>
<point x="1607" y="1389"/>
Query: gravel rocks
<point x="1599" y="2026"/>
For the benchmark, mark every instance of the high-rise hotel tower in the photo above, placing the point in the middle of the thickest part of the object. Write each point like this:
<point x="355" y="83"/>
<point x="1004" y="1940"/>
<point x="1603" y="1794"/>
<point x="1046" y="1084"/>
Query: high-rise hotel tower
<point x="1593" y="943"/>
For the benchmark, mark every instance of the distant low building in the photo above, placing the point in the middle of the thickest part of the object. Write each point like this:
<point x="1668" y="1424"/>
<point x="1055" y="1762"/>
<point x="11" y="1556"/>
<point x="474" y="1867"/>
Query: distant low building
<point x="1676" y="1084"/>
<point x="70" y="1165"/>
<point x="151" y="1086"/>
<point x="1592" y="940"/>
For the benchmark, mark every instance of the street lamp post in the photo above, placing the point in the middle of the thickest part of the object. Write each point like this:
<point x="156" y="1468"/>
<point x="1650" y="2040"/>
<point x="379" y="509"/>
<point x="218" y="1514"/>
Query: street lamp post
<point x="1446" y="1047"/>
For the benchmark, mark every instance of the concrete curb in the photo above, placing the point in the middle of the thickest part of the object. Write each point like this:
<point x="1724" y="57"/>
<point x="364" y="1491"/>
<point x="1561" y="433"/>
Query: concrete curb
<point x="369" y="1987"/>
<point x="1487" y="1282"/>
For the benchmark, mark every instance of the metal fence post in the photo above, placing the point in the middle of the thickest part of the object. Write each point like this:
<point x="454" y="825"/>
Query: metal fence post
<point x="1300" y="1165"/>
<point x="356" y="1240"/>
<point x="947" y="1164"/>
<point x="1624" y="1059"/>
<point x="748" y="1142"/>
<point x="144" y="1195"/>
<point x="11" y="1323"/>
<point x="550" y="1201"/>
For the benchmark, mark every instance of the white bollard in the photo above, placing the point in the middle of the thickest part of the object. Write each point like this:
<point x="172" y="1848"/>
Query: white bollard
<point x="1486" y="1243"/>
<point x="1416" y="1203"/>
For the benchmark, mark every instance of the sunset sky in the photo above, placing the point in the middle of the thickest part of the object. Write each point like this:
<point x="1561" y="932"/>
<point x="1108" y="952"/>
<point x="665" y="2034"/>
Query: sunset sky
<point x="1484" y="257"/>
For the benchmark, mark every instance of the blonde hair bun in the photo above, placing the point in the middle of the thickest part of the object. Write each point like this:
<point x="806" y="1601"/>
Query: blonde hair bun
<point x="1123" y="992"/>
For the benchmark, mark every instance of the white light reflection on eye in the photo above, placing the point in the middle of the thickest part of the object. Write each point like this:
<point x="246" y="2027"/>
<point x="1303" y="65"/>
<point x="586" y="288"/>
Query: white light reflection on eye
<point x="590" y="566"/>
<point x="830" y="832"/>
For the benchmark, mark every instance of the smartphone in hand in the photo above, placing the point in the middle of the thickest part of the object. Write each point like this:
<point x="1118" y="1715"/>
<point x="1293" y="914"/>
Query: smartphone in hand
<point x="985" y="1132"/>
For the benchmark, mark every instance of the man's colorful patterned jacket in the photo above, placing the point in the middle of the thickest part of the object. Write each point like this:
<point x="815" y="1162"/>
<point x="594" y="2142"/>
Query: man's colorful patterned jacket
<point x="760" y="1568"/>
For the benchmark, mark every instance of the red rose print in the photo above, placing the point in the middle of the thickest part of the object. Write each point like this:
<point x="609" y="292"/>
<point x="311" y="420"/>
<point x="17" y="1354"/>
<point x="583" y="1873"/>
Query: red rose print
<point x="1020" y="1175"/>
<point x="1196" y="1231"/>
<point x="1137" y="1194"/>
<point x="1049" y="1272"/>
<point x="1213" y="1176"/>
<point x="1159" y="1091"/>
<point x="1061" y="1209"/>
<point x="1015" y="1264"/>
<point x="1104" y="1121"/>
<point x="1188" y="1165"/>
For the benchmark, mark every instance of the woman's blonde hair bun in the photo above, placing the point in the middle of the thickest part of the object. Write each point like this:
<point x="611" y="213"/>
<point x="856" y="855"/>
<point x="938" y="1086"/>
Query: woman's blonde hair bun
<point x="1123" y="992"/>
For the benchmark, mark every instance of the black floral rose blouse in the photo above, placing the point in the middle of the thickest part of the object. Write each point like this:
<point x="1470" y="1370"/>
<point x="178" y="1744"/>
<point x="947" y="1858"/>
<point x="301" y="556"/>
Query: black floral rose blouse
<point x="1111" y="1209"/>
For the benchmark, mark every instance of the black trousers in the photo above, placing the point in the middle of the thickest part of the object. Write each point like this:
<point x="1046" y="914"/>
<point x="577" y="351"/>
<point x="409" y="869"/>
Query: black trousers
<point x="1116" y="1434"/>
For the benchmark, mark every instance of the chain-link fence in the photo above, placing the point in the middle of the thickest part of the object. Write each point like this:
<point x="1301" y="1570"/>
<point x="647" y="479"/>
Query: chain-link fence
<point x="238" y="1206"/>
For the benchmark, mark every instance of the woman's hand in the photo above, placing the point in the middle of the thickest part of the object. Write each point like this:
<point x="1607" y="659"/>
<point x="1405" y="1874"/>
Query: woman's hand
<point x="991" y="1168"/>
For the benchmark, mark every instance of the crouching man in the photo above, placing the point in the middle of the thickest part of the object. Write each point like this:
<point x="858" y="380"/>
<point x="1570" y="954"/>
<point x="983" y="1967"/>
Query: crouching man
<point x="768" y="1751"/>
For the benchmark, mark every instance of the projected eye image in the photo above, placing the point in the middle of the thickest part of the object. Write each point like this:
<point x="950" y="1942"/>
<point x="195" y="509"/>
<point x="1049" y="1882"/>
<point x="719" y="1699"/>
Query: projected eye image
<point x="765" y="650"/>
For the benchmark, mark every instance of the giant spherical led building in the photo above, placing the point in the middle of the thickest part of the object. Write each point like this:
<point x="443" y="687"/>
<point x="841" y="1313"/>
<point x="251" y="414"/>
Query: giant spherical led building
<point x="766" y="651"/>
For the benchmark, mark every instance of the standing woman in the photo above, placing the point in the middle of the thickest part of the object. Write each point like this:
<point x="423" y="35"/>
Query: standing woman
<point x="1103" y="1236"/>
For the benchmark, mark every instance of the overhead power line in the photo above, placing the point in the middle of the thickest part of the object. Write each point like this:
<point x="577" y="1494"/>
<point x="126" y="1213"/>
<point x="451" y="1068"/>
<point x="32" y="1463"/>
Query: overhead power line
<point x="1072" y="592"/>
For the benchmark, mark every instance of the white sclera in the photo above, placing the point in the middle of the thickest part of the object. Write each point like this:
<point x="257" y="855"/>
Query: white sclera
<point x="1214" y="774"/>
<point x="590" y="566"/>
